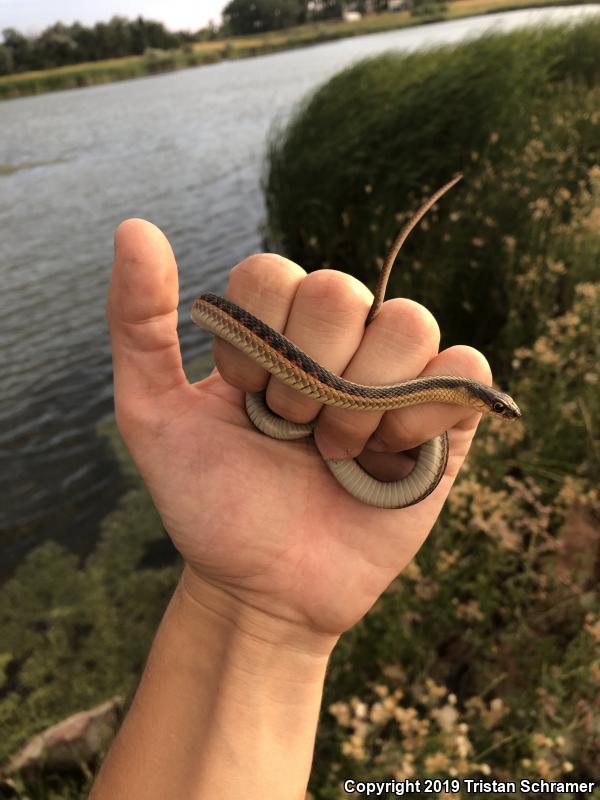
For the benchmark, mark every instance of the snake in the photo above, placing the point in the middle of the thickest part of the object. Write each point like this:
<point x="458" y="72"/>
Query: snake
<point x="285" y="361"/>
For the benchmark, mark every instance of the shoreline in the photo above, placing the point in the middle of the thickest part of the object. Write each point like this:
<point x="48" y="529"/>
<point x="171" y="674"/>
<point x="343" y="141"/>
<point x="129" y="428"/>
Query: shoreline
<point x="157" y="62"/>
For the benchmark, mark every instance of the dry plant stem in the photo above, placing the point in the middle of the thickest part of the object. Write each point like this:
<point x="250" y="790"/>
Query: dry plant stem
<point x="239" y="720"/>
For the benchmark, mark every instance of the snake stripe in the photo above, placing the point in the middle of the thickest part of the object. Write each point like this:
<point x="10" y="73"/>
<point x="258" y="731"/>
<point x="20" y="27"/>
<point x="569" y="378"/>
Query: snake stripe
<point x="282" y="358"/>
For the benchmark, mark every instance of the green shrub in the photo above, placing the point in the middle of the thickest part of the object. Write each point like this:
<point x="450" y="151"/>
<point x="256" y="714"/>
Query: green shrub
<point x="425" y="9"/>
<point x="156" y="60"/>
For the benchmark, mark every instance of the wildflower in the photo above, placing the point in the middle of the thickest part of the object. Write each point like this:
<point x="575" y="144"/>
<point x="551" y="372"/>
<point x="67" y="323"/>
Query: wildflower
<point x="341" y="712"/>
<point x="360" y="709"/>
<point x="437" y="762"/>
<point x="447" y="560"/>
<point x="379" y="714"/>
<point x="394" y="672"/>
<point x="543" y="768"/>
<point x="463" y="746"/>
<point x="469" y="611"/>
<point x="446" y="717"/>
<point x="593" y="628"/>
<point x="434" y="690"/>
<point x="492" y="716"/>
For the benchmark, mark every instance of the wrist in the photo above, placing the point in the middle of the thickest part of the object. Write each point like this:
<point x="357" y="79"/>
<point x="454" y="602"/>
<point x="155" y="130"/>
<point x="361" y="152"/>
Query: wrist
<point x="213" y="710"/>
<point x="262" y="673"/>
<point x="265" y="642"/>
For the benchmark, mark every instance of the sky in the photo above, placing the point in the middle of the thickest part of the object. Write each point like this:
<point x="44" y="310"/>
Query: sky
<point x="32" y="16"/>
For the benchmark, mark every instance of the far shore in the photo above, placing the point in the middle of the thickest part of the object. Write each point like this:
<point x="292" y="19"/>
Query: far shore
<point x="159" y="61"/>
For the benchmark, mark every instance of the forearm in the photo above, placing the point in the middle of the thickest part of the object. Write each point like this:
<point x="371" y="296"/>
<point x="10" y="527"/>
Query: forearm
<point x="227" y="706"/>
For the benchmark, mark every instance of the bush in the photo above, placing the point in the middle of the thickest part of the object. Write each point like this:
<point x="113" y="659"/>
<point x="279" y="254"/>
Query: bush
<point x="425" y="9"/>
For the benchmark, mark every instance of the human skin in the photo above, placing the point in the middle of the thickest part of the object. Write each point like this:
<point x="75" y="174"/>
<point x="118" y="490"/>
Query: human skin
<point x="279" y="559"/>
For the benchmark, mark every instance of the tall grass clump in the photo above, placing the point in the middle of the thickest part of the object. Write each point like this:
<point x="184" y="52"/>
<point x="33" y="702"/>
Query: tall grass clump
<point x="518" y="114"/>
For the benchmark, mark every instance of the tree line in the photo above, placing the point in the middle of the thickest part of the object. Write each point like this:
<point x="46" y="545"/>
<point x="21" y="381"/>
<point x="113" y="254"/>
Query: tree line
<point x="242" y="16"/>
<point x="60" y="44"/>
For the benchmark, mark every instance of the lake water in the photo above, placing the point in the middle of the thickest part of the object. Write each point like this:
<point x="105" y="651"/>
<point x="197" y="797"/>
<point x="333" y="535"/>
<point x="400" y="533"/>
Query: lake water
<point x="184" y="150"/>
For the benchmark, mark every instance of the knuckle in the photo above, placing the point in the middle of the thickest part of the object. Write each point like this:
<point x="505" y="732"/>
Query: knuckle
<point x="415" y="322"/>
<point x="471" y="362"/>
<point x="331" y="290"/>
<point x="265" y="274"/>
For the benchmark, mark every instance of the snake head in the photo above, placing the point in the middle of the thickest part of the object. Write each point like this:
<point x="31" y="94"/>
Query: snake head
<point x="499" y="404"/>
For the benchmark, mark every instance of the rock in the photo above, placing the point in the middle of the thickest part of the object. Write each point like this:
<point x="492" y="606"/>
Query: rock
<point x="76" y="741"/>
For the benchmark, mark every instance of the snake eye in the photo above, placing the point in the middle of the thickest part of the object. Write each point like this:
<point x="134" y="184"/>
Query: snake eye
<point x="499" y="407"/>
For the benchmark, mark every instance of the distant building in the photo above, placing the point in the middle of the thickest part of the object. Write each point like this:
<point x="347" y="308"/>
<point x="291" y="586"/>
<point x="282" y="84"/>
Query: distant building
<point x="365" y="7"/>
<point x="352" y="10"/>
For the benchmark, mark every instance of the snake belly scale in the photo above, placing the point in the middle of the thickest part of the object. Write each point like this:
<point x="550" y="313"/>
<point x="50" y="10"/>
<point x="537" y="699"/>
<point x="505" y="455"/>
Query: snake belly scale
<point x="280" y="357"/>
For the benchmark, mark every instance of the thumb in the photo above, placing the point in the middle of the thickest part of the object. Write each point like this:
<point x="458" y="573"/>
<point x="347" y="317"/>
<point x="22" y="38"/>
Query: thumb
<point x="142" y="316"/>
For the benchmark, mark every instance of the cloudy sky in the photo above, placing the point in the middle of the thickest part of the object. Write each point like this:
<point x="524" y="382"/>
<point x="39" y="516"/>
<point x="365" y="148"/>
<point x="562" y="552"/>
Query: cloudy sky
<point x="31" y="16"/>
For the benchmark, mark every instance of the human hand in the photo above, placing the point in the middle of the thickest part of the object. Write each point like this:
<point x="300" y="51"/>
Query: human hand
<point x="259" y="521"/>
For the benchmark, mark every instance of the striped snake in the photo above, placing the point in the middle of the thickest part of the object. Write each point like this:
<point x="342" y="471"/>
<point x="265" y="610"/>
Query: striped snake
<point x="279" y="356"/>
